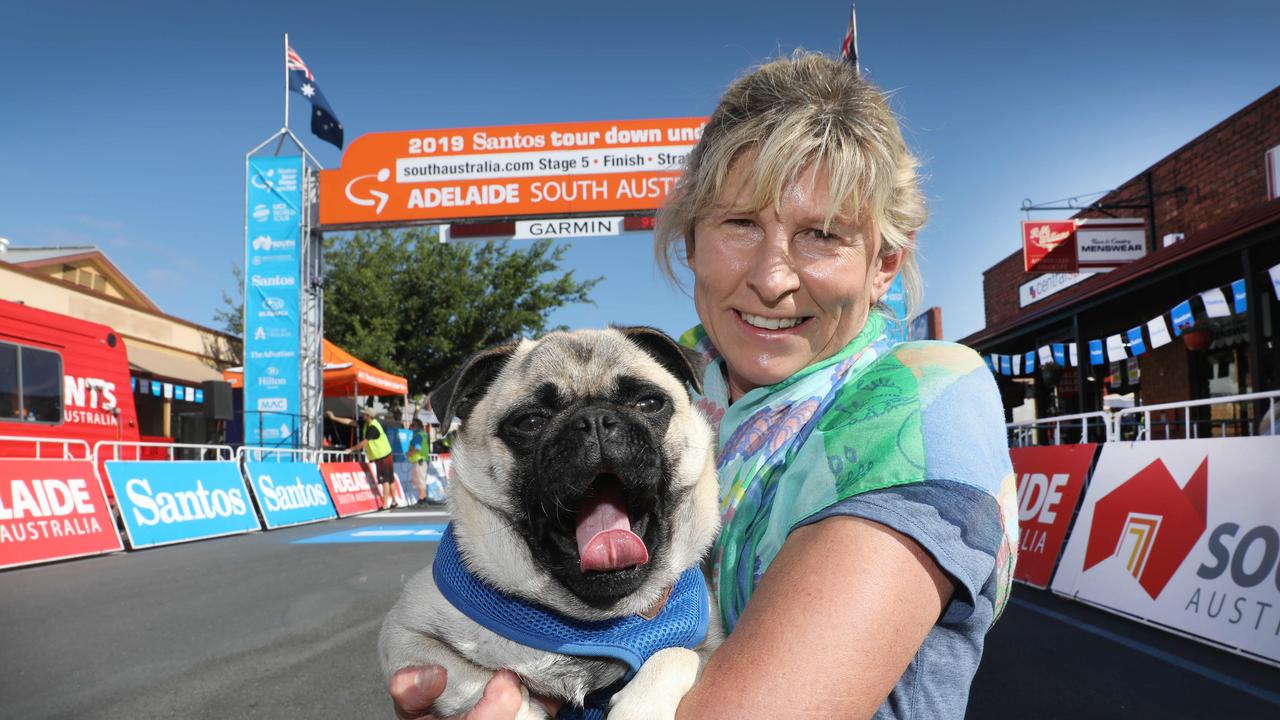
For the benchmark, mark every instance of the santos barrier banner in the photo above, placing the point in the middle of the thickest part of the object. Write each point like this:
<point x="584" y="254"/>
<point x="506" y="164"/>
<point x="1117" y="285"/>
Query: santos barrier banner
<point x="350" y="488"/>
<point x="171" y="502"/>
<point x="52" y="510"/>
<point x="289" y="493"/>
<point x="1184" y="533"/>
<point x="1050" y="480"/>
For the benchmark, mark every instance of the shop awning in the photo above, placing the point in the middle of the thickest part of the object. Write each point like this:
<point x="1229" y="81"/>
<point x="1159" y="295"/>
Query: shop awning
<point x="170" y="366"/>
<point x="345" y="375"/>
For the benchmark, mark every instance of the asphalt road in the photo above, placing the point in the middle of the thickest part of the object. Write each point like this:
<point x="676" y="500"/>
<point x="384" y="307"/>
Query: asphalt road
<point x="271" y="626"/>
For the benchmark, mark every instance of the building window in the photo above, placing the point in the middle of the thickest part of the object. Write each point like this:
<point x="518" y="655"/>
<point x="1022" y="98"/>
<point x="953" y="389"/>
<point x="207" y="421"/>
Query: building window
<point x="30" y="384"/>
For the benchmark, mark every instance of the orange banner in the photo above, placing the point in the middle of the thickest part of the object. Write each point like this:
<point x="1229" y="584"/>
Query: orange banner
<point x="563" y="169"/>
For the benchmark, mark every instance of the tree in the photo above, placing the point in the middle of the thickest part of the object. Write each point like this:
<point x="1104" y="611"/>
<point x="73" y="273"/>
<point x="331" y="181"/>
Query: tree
<point x="231" y="317"/>
<point x="411" y="305"/>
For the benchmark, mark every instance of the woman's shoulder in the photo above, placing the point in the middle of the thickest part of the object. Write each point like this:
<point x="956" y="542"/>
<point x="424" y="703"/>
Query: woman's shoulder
<point x="920" y="372"/>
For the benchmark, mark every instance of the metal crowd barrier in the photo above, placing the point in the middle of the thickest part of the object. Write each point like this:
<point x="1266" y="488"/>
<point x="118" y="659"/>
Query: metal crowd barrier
<point x="1191" y="426"/>
<point x="200" y="451"/>
<point x="40" y="442"/>
<point x="1026" y="433"/>
<point x="249" y="453"/>
<point x="1136" y="423"/>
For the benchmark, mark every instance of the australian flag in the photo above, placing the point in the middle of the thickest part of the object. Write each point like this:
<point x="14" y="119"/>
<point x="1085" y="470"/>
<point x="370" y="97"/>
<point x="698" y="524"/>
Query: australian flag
<point x="849" y="48"/>
<point x="324" y="124"/>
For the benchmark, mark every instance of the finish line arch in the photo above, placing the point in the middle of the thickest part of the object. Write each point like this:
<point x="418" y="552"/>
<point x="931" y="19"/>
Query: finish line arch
<point x="500" y="180"/>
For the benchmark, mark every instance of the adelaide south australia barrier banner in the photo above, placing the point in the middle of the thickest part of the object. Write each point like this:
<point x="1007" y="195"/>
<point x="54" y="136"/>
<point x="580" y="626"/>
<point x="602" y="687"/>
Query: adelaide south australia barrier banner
<point x="1050" y="480"/>
<point x="289" y="493"/>
<point x="1184" y="533"/>
<point x="52" y="510"/>
<point x="350" y="489"/>
<point x="564" y="169"/>
<point x="171" y="502"/>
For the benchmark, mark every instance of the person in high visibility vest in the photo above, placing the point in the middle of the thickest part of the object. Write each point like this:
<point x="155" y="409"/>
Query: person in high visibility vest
<point x="377" y="448"/>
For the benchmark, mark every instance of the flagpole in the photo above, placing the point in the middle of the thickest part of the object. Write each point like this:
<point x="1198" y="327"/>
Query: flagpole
<point x="853" y="47"/>
<point x="286" y="81"/>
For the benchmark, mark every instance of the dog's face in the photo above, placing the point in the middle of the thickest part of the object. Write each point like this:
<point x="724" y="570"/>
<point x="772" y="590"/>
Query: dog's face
<point x="583" y="477"/>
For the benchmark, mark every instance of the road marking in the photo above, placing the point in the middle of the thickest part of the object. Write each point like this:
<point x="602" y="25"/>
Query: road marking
<point x="1197" y="668"/>
<point x="385" y="533"/>
<point x="405" y="514"/>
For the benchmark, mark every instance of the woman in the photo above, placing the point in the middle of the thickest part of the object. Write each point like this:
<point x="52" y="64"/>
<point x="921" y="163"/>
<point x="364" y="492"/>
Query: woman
<point x="867" y="496"/>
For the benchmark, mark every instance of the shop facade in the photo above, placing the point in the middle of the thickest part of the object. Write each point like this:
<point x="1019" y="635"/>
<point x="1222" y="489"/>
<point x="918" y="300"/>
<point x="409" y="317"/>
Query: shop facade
<point x="1195" y="317"/>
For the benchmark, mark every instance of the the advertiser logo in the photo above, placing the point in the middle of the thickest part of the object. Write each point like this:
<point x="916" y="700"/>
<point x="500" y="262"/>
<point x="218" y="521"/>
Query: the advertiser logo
<point x="1150" y="524"/>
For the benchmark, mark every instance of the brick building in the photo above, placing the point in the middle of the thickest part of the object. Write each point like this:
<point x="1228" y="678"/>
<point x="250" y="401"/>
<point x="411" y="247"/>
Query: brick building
<point x="1212" y="214"/>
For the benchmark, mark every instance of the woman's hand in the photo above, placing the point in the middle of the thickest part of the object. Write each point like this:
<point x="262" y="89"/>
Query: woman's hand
<point x="413" y="690"/>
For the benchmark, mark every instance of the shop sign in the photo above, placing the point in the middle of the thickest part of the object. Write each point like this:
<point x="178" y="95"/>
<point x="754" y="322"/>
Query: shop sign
<point x="1049" y="246"/>
<point x="165" y="502"/>
<point x="1050" y="480"/>
<point x="1068" y="246"/>
<point x="1045" y="285"/>
<point x="1110" y="243"/>
<point x="289" y="493"/>
<point x="52" y="510"/>
<point x="1184" y="533"/>
<point x="1272" y="162"/>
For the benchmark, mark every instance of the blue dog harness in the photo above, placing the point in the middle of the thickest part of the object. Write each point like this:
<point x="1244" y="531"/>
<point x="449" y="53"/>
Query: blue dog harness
<point x="682" y="622"/>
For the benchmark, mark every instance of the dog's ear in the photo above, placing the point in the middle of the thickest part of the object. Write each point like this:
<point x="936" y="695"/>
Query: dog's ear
<point x="463" y="390"/>
<point x="687" y="365"/>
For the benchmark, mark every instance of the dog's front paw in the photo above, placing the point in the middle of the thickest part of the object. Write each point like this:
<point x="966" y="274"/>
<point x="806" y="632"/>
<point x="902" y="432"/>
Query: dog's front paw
<point x="655" y="692"/>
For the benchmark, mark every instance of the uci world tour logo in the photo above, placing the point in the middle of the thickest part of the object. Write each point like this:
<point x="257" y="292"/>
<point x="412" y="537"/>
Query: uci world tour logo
<point x="1150" y="524"/>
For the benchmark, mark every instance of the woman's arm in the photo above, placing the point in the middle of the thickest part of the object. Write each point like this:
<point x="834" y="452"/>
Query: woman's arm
<point x="833" y="625"/>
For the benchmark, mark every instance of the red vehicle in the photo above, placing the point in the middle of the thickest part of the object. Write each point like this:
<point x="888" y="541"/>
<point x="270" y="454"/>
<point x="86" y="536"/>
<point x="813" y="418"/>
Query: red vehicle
<point x="61" y="378"/>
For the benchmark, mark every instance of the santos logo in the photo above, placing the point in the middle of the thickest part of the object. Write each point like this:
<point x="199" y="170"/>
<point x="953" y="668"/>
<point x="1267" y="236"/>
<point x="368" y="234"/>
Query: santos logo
<point x="273" y="281"/>
<point x="166" y="508"/>
<point x="1150" y="524"/>
<point x="297" y="496"/>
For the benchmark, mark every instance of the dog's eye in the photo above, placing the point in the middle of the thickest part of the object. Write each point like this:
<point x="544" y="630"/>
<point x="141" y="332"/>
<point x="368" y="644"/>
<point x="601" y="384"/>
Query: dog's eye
<point x="649" y="404"/>
<point x="532" y="422"/>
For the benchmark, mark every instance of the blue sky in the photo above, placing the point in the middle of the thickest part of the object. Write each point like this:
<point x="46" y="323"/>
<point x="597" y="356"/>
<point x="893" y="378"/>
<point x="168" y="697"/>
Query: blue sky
<point x="125" y="125"/>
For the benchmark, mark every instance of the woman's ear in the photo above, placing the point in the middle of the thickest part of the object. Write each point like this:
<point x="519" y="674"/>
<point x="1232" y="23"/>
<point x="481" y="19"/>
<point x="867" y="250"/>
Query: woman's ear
<point x="889" y="267"/>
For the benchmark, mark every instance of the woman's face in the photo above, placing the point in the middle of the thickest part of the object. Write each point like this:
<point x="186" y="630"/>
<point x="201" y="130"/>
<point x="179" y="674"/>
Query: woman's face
<point x="774" y="291"/>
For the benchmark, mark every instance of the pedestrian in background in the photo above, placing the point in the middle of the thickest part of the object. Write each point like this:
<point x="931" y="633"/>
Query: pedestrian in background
<point x="419" y="446"/>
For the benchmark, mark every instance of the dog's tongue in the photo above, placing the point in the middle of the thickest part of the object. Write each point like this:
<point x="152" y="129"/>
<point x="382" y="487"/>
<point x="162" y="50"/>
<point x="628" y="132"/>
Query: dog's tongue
<point x="605" y="540"/>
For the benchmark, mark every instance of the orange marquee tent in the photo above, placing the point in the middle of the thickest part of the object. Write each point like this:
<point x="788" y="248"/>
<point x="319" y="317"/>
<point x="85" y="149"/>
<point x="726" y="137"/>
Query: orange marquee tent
<point x="344" y="376"/>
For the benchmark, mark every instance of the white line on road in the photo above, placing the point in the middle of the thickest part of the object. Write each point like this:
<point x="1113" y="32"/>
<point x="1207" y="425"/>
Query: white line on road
<point x="408" y="514"/>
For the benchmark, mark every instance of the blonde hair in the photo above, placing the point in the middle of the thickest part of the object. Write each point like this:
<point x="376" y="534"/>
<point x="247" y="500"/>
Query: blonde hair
<point x="808" y="110"/>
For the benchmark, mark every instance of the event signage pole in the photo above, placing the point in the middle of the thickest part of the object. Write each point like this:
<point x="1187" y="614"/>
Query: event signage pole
<point x="286" y="81"/>
<point x="273" y="279"/>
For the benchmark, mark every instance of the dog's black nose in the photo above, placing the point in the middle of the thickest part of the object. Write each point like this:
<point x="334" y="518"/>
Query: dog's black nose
<point x="601" y="423"/>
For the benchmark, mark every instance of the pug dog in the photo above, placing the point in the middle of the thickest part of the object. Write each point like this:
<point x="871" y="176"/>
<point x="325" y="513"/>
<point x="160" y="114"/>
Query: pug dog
<point x="584" y="499"/>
